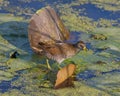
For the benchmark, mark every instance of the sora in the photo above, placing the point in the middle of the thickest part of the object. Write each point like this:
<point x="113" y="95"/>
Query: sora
<point x="60" y="51"/>
<point x="48" y="36"/>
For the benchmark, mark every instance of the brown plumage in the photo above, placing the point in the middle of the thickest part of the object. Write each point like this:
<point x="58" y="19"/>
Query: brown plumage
<point x="48" y="35"/>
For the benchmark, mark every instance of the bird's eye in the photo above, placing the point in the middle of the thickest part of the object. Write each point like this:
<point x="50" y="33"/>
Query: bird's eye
<point x="40" y="43"/>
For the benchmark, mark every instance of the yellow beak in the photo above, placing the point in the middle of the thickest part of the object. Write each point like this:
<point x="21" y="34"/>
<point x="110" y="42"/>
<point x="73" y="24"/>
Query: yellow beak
<point x="84" y="48"/>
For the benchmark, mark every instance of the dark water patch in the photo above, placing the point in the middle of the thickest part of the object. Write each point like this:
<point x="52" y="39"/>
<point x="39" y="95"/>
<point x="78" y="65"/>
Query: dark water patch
<point x="6" y="85"/>
<point x="35" y="4"/>
<point x="4" y="11"/>
<point x="88" y="46"/>
<point x="4" y="68"/>
<point x="59" y="1"/>
<point x="92" y="11"/>
<point x="87" y="74"/>
<point x="15" y="35"/>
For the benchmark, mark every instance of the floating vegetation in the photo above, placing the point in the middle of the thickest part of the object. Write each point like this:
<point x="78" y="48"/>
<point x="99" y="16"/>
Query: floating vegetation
<point x="98" y="69"/>
<point x="111" y="5"/>
<point x="73" y="21"/>
<point x="99" y="37"/>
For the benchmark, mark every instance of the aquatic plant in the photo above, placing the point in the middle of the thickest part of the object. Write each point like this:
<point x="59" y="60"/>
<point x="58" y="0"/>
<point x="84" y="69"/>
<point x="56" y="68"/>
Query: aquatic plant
<point x="98" y="69"/>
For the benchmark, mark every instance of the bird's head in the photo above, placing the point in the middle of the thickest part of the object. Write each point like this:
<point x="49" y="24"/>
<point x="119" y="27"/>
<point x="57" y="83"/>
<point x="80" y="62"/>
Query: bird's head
<point x="81" y="45"/>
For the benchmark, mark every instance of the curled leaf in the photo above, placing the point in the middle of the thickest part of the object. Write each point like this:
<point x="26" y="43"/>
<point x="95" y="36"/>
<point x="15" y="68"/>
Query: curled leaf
<point x="64" y="77"/>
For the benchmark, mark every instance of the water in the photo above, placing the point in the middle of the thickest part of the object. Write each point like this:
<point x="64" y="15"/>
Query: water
<point x="90" y="11"/>
<point x="91" y="72"/>
<point x="6" y="85"/>
<point x="96" y="13"/>
<point x="87" y="74"/>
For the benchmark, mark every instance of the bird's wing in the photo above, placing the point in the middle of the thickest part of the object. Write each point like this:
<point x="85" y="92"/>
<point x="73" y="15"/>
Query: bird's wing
<point x="47" y="25"/>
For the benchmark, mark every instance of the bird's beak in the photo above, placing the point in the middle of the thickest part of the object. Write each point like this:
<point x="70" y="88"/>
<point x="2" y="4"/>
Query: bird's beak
<point x="84" y="48"/>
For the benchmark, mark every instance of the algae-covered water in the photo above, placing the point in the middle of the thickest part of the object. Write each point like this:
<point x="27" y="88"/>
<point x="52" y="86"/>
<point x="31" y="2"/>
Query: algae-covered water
<point x="96" y="22"/>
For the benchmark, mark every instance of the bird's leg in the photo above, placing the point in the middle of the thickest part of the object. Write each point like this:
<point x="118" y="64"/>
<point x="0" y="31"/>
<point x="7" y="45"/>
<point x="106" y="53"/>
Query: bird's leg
<point x="48" y="65"/>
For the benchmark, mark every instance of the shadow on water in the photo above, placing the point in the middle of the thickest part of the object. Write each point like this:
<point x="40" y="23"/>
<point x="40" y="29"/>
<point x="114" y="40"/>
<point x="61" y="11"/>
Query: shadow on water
<point x="16" y="34"/>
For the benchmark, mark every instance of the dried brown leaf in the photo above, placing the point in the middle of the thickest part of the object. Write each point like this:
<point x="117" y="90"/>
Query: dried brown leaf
<point x="64" y="77"/>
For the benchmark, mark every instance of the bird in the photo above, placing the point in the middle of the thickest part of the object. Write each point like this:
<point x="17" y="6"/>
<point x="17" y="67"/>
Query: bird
<point x="61" y="51"/>
<point x="48" y="36"/>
